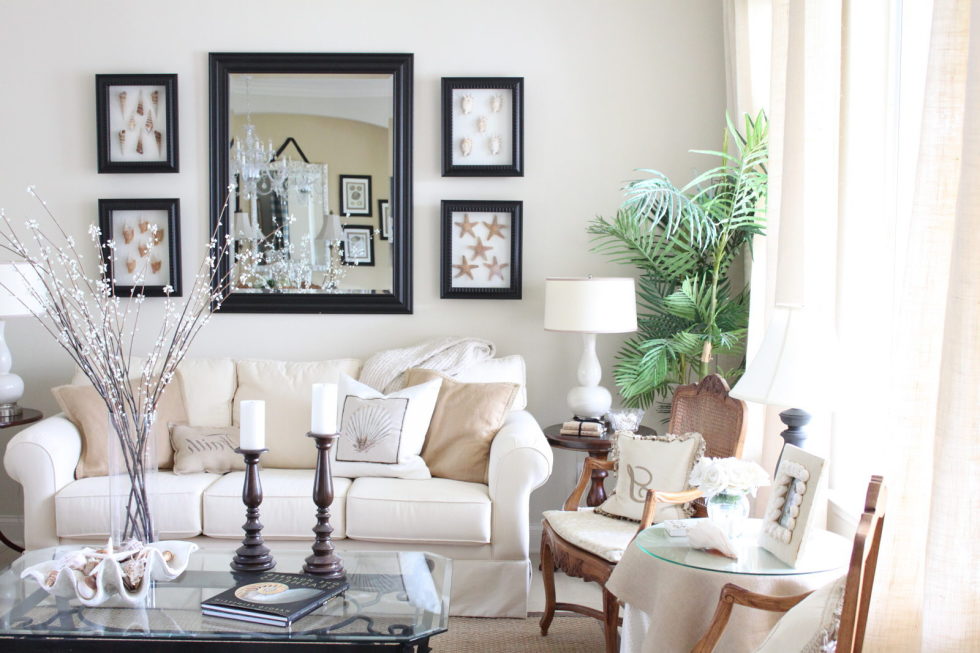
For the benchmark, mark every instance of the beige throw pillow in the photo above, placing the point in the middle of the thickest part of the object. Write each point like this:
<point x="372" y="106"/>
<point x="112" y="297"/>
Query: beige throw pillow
<point x="652" y="462"/>
<point x="86" y="409"/>
<point x="206" y="449"/>
<point x="466" y="418"/>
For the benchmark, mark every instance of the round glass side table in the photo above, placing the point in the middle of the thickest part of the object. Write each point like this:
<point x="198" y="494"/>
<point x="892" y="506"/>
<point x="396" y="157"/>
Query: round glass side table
<point x="825" y="551"/>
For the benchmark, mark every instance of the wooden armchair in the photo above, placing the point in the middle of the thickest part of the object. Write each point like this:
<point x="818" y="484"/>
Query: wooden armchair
<point x="703" y="407"/>
<point x="857" y="586"/>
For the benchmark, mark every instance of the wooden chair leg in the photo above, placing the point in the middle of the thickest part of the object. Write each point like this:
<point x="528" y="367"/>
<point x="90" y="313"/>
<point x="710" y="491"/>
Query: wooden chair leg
<point x="548" y="576"/>
<point x="610" y="626"/>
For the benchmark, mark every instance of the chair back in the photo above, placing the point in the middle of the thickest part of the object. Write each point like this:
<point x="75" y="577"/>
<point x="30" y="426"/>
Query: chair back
<point x="861" y="573"/>
<point x="706" y="408"/>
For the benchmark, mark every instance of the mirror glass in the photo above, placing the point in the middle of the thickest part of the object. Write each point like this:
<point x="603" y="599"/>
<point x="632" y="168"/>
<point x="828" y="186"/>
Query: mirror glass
<point x="319" y="184"/>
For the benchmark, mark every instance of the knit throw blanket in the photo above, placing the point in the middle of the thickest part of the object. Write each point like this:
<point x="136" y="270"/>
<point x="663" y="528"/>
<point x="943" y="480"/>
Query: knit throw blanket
<point x="385" y="370"/>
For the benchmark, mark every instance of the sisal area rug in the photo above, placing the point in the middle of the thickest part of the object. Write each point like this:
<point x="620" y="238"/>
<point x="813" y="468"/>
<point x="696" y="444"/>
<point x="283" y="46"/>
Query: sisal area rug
<point x="568" y="634"/>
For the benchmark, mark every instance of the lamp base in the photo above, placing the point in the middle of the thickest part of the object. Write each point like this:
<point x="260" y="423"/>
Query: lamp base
<point x="11" y="410"/>
<point x="589" y="402"/>
<point x="795" y="419"/>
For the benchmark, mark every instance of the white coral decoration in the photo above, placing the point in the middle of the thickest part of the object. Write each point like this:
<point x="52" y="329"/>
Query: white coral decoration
<point x="716" y="475"/>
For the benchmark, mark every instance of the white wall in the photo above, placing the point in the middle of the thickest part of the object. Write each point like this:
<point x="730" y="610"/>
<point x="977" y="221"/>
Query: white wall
<point x="611" y="86"/>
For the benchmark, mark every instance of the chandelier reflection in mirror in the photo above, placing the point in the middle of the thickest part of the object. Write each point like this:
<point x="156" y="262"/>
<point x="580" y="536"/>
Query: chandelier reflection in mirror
<point x="268" y="256"/>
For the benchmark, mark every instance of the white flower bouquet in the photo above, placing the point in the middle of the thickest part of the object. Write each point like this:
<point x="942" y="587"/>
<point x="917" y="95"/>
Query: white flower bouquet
<point x="717" y="475"/>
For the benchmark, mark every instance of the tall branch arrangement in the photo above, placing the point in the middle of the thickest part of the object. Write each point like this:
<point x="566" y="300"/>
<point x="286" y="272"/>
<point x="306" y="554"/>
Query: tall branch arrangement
<point x="684" y="240"/>
<point x="98" y="330"/>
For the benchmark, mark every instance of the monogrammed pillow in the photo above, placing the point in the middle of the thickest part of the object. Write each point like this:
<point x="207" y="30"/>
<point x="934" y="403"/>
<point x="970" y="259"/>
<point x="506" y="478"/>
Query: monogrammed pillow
<point x="205" y="449"/>
<point x="652" y="462"/>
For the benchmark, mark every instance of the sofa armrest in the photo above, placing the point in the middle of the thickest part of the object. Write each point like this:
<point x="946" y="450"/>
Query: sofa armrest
<point x="520" y="462"/>
<point x="42" y="458"/>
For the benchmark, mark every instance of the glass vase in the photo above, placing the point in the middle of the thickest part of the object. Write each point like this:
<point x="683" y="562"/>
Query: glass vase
<point x="729" y="511"/>
<point x="132" y="463"/>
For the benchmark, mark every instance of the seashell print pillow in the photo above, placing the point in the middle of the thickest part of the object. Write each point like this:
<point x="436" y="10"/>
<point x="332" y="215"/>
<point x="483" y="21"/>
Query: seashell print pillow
<point x="382" y="435"/>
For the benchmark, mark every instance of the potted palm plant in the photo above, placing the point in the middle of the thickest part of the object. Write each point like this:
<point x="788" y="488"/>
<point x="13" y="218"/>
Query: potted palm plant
<point x="684" y="241"/>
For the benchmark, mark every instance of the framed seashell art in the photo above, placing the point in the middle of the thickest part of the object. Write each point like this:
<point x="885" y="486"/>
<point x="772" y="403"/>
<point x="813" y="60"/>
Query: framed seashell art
<point x="481" y="249"/>
<point x="482" y="126"/>
<point x="789" y="510"/>
<point x="140" y="241"/>
<point x="137" y="123"/>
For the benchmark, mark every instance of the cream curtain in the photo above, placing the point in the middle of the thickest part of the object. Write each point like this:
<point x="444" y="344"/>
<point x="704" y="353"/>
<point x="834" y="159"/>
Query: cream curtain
<point x="875" y="223"/>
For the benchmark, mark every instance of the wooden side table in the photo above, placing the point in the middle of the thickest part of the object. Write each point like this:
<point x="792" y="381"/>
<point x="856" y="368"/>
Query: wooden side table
<point x="595" y="447"/>
<point x="27" y="416"/>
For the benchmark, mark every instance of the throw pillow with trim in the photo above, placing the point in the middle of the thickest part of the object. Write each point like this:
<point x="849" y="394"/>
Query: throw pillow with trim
<point x="382" y="435"/>
<point x="205" y="449"/>
<point x="652" y="462"/>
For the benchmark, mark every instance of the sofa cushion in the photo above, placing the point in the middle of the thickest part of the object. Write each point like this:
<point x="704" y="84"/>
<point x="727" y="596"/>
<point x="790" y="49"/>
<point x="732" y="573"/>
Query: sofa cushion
<point x="437" y="510"/>
<point x="287" y="510"/>
<point x="466" y="418"/>
<point x="208" y="387"/>
<point x="382" y="435"/>
<point x="87" y="411"/>
<point x="508" y="369"/>
<point x="287" y="389"/>
<point x="82" y="507"/>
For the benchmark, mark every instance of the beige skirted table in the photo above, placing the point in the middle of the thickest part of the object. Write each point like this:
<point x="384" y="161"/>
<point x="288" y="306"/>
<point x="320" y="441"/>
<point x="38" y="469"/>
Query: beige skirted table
<point x="670" y="590"/>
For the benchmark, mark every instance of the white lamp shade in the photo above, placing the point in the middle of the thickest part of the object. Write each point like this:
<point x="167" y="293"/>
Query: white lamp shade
<point x="331" y="229"/>
<point x="18" y="285"/>
<point x="590" y="304"/>
<point x="790" y="368"/>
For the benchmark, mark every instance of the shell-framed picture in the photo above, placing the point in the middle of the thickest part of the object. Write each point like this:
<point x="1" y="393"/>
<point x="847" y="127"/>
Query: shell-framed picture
<point x="482" y="126"/>
<point x="140" y="241"/>
<point x="481" y="249"/>
<point x="789" y="511"/>
<point x="137" y="123"/>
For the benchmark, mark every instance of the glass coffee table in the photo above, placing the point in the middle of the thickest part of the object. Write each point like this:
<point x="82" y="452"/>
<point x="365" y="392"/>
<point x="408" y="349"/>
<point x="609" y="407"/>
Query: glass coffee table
<point x="398" y="600"/>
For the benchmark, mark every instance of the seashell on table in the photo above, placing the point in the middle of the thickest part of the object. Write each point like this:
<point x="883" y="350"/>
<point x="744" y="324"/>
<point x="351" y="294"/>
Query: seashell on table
<point x="94" y="576"/>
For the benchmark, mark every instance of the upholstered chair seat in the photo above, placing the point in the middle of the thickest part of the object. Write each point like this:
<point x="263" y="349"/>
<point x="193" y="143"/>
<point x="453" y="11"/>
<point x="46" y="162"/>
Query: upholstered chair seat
<point x="600" y="535"/>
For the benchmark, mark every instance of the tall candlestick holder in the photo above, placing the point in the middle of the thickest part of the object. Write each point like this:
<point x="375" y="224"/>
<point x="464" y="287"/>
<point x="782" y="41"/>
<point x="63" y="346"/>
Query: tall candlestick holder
<point x="324" y="561"/>
<point x="253" y="554"/>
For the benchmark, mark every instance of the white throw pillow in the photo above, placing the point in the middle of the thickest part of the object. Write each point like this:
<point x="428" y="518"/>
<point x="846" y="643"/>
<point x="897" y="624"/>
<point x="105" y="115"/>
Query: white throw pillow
<point x="652" y="462"/>
<point x="382" y="435"/>
<point x="811" y="625"/>
<point x="287" y="389"/>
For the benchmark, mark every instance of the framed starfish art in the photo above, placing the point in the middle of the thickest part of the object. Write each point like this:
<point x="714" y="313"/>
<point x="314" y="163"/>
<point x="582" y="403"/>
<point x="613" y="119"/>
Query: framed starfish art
<point x="481" y="249"/>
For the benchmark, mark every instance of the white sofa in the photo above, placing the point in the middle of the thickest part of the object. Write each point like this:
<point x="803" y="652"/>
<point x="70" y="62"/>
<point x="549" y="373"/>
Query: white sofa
<point x="482" y="527"/>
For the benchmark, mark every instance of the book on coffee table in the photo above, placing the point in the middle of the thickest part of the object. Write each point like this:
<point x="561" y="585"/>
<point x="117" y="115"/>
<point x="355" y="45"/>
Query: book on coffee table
<point x="274" y="599"/>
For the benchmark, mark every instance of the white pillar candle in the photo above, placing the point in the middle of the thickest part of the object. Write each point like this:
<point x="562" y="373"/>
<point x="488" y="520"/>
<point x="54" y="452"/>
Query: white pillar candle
<point x="252" y="425"/>
<point x="324" y="418"/>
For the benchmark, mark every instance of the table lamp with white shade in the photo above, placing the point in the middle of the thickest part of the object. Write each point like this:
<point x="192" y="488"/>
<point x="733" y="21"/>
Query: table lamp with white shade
<point x="788" y="369"/>
<point x="18" y="298"/>
<point x="589" y="305"/>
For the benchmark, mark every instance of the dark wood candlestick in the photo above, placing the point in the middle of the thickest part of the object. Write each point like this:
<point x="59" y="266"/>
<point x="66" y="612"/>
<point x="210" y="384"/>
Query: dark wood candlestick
<point x="253" y="554"/>
<point x="324" y="561"/>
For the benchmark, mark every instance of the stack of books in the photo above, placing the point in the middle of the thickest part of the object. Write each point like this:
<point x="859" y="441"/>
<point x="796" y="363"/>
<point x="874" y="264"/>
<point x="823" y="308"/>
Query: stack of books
<point x="274" y="599"/>
<point x="586" y="429"/>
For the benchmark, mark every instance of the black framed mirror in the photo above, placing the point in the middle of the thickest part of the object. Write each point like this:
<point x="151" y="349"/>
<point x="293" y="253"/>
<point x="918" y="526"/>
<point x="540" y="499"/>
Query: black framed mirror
<point x="303" y="146"/>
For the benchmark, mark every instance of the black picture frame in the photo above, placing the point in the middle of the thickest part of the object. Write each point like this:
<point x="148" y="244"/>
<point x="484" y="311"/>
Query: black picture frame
<point x="457" y="277"/>
<point x="365" y="235"/>
<point x="495" y="111"/>
<point x="400" y="66"/>
<point x="349" y="210"/>
<point x="384" y="220"/>
<point x="134" y="132"/>
<point x="134" y="237"/>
